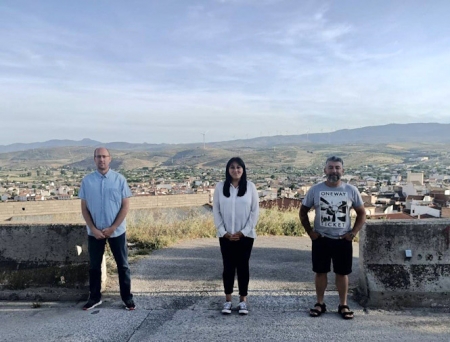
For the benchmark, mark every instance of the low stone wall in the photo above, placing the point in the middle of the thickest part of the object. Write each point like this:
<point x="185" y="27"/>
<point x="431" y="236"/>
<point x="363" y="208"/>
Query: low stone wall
<point x="10" y="209"/>
<point x="50" y="261"/>
<point x="53" y="258"/>
<point x="388" y="278"/>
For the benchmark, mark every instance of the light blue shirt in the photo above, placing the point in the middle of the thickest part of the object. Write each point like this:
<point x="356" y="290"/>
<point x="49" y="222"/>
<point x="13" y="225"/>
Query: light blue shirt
<point x="103" y="195"/>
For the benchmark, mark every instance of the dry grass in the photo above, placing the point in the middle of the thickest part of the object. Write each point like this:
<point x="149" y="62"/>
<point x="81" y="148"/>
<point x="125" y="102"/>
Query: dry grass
<point x="152" y="230"/>
<point x="157" y="229"/>
<point x="277" y="222"/>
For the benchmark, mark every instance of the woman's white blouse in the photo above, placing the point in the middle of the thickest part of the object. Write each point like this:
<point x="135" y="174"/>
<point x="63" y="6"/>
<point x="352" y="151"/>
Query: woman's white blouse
<point x="236" y="214"/>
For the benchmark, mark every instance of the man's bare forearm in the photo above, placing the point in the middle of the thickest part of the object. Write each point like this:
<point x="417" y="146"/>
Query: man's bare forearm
<point x="304" y="219"/>
<point x="360" y="219"/>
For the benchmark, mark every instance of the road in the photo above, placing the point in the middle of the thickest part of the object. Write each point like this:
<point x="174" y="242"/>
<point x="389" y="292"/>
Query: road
<point x="178" y="292"/>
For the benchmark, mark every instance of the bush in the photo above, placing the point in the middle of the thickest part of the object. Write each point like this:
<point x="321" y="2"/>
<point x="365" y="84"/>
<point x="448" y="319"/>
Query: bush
<point x="151" y="230"/>
<point x="157" y="229"/>
<point x="277" y="222"/>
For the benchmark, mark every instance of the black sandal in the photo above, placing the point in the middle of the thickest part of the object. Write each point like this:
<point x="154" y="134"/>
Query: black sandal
<point x="316" y="313"/>
<point x="345" y="314"/>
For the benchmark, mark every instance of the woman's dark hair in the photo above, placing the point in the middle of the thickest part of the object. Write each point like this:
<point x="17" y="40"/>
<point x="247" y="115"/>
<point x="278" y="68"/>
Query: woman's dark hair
<point x="228" y="179"/>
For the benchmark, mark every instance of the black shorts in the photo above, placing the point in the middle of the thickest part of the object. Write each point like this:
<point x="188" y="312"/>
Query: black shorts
<point x="339" y="250"/>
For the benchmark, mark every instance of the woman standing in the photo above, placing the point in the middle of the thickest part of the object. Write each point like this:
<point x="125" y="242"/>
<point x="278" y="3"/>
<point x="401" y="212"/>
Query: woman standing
<point x="236" y="210"/>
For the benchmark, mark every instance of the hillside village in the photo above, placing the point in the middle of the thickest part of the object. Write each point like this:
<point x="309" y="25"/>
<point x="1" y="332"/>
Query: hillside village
<point x="419" y="188"/>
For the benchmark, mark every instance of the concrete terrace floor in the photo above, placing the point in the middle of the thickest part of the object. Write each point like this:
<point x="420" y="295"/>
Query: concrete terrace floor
<point x="178" y="292"/>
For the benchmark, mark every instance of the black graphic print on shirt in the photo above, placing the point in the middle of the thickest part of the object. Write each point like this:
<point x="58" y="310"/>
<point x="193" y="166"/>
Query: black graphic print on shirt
<point x="333" y="209"/>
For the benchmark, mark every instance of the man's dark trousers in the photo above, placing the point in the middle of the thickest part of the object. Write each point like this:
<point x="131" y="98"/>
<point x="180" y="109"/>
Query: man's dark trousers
<point x="118" y="246"/>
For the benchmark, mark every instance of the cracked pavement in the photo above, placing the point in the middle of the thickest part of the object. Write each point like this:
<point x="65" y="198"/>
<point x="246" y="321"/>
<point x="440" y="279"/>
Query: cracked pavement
<point x="178" y="292"/>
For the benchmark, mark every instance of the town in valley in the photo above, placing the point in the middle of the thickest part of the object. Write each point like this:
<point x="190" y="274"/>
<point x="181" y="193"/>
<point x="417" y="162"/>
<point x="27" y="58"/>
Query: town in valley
<point x="395" y="181"/>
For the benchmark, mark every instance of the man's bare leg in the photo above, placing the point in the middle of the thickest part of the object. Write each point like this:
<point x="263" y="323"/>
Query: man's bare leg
<point x="321" y="282"/>
<point x="342" y="287"/>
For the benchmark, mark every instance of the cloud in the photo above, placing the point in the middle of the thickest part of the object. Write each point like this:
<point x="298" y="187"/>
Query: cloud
<point x="163" y="73"/>
<point x="250" y="2"/>
<point x="201" y="24"/>
<point x="332" y="34"/>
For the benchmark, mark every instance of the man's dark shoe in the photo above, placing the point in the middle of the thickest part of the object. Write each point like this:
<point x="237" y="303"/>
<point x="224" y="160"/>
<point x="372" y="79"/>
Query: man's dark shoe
<point x="129" y="305"/>
<point x="91" y="304"/>
<point x="316" y="312"/>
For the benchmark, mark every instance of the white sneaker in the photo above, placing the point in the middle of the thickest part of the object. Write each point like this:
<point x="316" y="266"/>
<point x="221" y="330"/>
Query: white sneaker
<point x="91" y="304"/>
<point x="243" y="309"/>
<point x="226" y="308"/>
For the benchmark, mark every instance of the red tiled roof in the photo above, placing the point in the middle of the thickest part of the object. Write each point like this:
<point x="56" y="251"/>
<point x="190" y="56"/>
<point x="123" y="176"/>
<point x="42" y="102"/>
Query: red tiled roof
<point x="393" y="216"/>
<point x="281" y="203"/>
<point x="415" y="197"/>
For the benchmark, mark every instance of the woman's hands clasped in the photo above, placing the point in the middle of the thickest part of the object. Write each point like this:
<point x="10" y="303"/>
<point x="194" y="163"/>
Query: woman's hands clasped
<point x="233" y="237"/>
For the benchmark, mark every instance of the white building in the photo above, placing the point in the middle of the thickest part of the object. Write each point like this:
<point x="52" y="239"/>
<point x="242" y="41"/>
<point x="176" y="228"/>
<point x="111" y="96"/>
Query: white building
<point x="414" y="177"/>
<point x="396" y="179"/>
<point x="417" y="210"/>
<point x="164" y="186"/>
<point x="411" y="189"/>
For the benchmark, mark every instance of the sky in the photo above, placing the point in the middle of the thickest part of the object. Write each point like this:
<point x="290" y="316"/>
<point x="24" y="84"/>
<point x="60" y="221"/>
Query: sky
<point x="170" y="71"/>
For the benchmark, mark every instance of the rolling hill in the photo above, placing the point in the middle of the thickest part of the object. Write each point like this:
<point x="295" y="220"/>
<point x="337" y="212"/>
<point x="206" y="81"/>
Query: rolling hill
<point x="388" y="144"/>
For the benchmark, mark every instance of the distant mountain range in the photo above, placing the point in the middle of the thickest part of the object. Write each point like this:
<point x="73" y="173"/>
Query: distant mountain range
<point x="74" y="143"/>
<point x="385" y="134"/>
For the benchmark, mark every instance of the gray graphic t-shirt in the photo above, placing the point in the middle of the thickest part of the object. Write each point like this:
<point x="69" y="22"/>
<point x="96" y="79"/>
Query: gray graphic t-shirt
<point x="332" y="206"/>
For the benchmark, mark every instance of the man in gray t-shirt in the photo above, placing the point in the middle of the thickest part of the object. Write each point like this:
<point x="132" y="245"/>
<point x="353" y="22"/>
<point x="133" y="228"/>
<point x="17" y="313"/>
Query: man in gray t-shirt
<point x="332" y="206"/>
<point x="332" y="235"/>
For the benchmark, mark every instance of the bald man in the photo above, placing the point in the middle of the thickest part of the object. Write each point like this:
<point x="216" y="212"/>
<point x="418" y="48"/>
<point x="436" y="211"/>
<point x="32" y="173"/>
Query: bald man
<point x="105" y="200"/>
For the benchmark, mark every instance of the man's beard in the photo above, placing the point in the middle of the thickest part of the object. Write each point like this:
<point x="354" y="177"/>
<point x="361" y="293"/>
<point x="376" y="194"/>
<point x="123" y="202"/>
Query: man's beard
<point x="334" y="178"/>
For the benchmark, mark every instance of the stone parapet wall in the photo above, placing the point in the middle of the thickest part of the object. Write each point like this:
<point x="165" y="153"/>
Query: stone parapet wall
<point x="53" y="257"/>
<point x="10" y="209"/>
<point x="389" y="278"/>
<point x="50" y="261"/>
